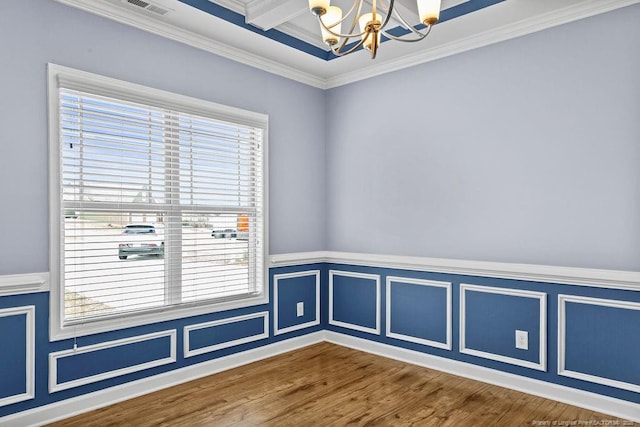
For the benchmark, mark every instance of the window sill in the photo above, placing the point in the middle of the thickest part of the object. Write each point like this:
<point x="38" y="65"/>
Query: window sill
<point x="58" y="332"/>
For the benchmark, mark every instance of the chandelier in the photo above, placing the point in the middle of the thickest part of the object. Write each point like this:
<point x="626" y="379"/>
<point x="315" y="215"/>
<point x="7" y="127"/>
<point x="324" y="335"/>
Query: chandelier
<point x="371" y="25"/>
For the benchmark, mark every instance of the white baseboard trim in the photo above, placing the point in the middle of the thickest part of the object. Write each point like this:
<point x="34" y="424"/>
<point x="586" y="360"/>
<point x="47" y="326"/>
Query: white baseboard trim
<point x="584" y="399"/>
<point x="88" y="402"/>
<point x="77" y="405"/>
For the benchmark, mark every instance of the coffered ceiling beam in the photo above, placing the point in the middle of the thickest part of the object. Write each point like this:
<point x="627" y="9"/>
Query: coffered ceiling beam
<point x="267" y="14"/>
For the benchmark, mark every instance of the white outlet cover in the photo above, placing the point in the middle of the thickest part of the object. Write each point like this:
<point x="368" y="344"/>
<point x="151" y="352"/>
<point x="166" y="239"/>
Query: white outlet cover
<point x="300" y="309"/>
<point x="522" y="340"/>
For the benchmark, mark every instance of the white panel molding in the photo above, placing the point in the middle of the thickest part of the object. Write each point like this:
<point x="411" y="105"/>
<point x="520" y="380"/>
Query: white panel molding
<point x="276" y="279"/>
<point x="16" y="284"/>
<point x="262" y="335"/>
<point x="101" y="398"/>
<point x="562" y="342"/>
<point x="420" y="282"/>
<point x="376" y="280"/>
<point x="30" y="359"/>
<point x="609" y="279"/>
<point x="542" y="349"/>
<point x="55" y="386"/>
<point x="571" y="396"/>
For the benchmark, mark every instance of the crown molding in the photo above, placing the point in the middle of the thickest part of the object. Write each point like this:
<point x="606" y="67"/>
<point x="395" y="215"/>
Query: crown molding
<point x="491" y="36"/>
<point x="107" y="10"/>
<point x="305" y="36"/>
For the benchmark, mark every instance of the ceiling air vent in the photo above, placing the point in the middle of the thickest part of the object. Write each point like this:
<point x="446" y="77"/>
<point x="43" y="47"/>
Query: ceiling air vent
<point x="147" y="6"/>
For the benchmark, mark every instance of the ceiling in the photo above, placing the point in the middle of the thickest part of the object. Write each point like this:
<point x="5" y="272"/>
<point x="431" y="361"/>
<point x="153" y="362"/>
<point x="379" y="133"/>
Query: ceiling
<point x="282" y="37"/>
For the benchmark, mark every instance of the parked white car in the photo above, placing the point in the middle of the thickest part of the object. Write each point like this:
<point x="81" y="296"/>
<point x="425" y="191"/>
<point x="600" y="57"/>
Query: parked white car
<point x="227" y="233"/>
<point x="140" y="239"/>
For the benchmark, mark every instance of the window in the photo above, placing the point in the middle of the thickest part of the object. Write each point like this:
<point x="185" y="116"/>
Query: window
<point x="157" y="204"/>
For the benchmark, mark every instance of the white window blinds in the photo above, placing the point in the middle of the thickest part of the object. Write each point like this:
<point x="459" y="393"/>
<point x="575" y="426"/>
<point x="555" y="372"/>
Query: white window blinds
<point x="159" y="207"/>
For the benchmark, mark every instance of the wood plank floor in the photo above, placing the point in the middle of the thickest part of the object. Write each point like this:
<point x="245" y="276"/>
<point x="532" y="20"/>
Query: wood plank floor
<point x="330" y="385"/>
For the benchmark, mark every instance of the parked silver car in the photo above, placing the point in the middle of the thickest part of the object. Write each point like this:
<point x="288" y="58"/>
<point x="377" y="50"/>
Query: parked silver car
<point x="227" y="233"/>
<point x="140" y="239"/>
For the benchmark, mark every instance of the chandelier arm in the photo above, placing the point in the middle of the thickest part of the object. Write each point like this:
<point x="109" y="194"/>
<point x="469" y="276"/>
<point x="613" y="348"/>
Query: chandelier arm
<point x="350" y="34"/>
<point x="345" y="16"/>
<point x="374" y="45"/>
<point x="402" y="39"/>
<point x="338" y="51"/>
<point x="388" y="11"/>
<point x="353" y="6"/>
<point x="346" y="37"/>
<point x="340" y="34"/>
<point x="409" y="26"/>
<point x="388" y="15"/>
<point x="356" y="16"/>
<point x="343" y="43"/>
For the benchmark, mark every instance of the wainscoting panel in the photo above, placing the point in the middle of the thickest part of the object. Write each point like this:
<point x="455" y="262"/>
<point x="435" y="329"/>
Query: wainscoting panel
<point x="17" y="355"/>
<point x="86" y="365"/>
<point x="211" y="336"/>
<point x="354" y="301"/>
<point x="293" y="290"/>
<point x="427" y="313"/>
<point x="419" y="311"/>
<point x="490" y="317"/>
<point x="599" y="341"/>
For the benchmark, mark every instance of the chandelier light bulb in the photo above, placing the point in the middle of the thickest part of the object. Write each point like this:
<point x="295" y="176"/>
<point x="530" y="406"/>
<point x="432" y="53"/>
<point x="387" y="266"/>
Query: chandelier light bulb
<point x="429" y="11"/>
<point x="331" y="20"/>
<point x="318" y="7"/>
<point x="368" y="24"/>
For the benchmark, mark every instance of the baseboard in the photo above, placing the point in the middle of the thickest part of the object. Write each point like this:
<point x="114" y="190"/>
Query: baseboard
<point x="77" y="405"/>
<point x="74" y="406"/>
<point x="584" y="399"/>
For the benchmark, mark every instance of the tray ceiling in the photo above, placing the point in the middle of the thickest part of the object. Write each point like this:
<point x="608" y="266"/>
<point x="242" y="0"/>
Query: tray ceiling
<point x="282" y="37"/>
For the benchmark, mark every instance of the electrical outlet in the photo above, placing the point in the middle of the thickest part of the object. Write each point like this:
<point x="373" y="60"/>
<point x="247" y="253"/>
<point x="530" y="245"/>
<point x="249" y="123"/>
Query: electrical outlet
<point x="300" y="309"/>
<point x="522" y="340"/>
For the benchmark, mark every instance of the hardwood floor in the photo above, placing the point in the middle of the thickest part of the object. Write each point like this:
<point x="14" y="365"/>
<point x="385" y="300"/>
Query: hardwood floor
<point x="330" y="385"/>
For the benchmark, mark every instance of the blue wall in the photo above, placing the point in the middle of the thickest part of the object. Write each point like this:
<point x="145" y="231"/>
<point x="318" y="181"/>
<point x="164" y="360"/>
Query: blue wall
<point x="100" y="359"/>
<point x="599" y="341"/>
<point x="492" y="331"/>
<point x="419" y="310"/>
<point x="13" y="357"/>
<point x="464" y="318"/>
<point x="292" y="289"/>
<point x="602" y="341"/>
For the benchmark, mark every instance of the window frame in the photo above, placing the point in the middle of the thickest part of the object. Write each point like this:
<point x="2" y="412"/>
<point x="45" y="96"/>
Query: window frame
<point x="120" y="89"/>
